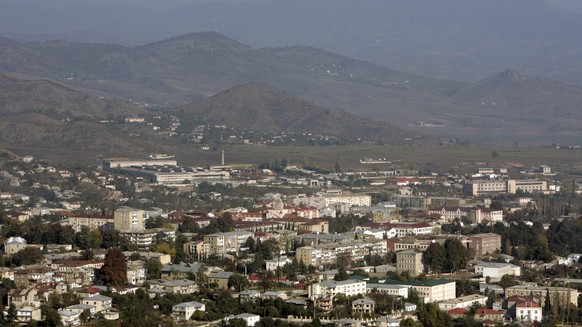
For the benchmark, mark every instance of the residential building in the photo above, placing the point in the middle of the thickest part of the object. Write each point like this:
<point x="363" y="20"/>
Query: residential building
<point x="14" y="244"/>
<point x="69" y="318"/>
<point x="528" y="311"/>
<point x="77" y="221"/>
<point x="181" y="286"/>
<point x="28" y="313"/>
<point x="489" y="314"/>
<point x="195" y="249"/>
<point x="410" y="261"/>
<point x="219" y="278"/>
<point x="249" y="318"/>
<point x="277" y="262"/>
<point x="332" y="288"/>
<point x="363" y="306"/>
<point x="349" y="251"/>
<point x="184" y="311"/>
<point x="222" y="243"/>
<point x="129" y="219"/>
<point x="558" y="295"/>
<point x="486" y="243"/>
<point x="147" y="237"/>
<point x="463" y="302"/>
<point x="101" y="302"/>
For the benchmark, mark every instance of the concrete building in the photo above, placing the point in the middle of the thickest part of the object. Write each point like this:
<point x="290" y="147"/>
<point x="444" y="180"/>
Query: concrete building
<point x="100" y="302"/>
<point x="429" y="291"/>
<point x="394" y="290"/>
<point x="559" y="296"/>
<point x="184" y="311"/>
<point x="222" y="243"/>
<point x="129" y="219"/>
<point x="528" y="311"/>
<point x="410" y="261"/>
<point x="463" y="302"/>
<point x="249" y="318"/>
<point x="486" y="243"/>
<point x="330" y="288"/>
<point x="363" y="306"/>
<point x="496" y="270"/>
<point x="349" y="251"/>
<point x="91" y="221"/>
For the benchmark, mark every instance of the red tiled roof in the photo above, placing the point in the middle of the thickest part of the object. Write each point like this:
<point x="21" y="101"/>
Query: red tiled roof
<point x="457" y="311"/>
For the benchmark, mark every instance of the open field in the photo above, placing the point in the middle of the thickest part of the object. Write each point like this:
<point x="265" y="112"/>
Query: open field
<point x="434" y="158"/>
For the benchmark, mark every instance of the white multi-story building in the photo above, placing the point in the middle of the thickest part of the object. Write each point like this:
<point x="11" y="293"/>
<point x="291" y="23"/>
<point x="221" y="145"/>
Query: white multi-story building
<point x="331" y="288"/>
<point x="223" y="243"/>
<point x="353" y="250"/>
<point x="528" y="311"/>
<point x="184" y="311"/>
<point x="394" y="290"/>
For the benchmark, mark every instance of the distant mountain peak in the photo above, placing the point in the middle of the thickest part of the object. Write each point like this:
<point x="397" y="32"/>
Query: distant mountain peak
<point x="202" y="41"/>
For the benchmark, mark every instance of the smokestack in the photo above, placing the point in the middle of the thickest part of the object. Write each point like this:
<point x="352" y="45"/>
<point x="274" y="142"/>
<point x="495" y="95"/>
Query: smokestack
<point x="222" y="158"/>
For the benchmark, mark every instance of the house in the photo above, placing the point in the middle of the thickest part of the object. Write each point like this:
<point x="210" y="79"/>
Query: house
<point x="220" y="279"/>
<point x="184" y="311"/>
<point x="182" y="286"/>
<point x="249" y="318"/>
<point x="28" y="313"/>
<point x="463" y="302"/>
<point x="528" y="311"/>
<point x="277" y="262"/>
<point x="457" y="312"/>
<point x="363" y="306"/>
<point x="489" y="314"/>
<point x="70" y="318"/>
<point x="274" y="295"/>
<point x="249" y="295"/>
<point x="101" y="302"/>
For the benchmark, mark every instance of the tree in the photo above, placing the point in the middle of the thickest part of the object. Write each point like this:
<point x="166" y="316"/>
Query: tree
<point x="238" y="282"/>
<point x="11" y="313"/>
<point x="456" y="255"/>
<point x="27" y="256"/>
<point x="434" y="257"/>
<point x="114" y="269"/>
<point x="153" y="268"/>
<point x="237" y="322"/>
<point x="164" y="248"/>
<point x="507" y="281"/>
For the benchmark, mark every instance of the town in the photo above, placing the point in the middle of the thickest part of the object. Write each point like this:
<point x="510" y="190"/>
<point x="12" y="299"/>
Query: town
<point x="148" y="242"/>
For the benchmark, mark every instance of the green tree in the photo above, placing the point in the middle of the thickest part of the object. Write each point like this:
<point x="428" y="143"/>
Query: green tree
<point x="238" y="282"/>
<point x="456" y="255"/>
<point x="114" y="269"/>
<point x="434" y="257"/>
<point x="27" y="256"/>
<point x="153" y="268"/>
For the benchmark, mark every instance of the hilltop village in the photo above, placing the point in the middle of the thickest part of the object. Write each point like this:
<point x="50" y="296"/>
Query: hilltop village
<point x="152" y="243"/>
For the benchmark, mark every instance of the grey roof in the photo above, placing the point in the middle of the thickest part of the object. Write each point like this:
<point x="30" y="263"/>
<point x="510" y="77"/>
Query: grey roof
<point x="183" y="267"/>
<point x="189" y="304"/>
<point x="364" y="301"/>
<point x="98" y="297"/>
<point x="220" y="274"/>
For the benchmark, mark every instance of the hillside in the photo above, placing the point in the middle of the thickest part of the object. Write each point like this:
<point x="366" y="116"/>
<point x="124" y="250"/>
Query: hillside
<point x="262" y="108"/>
<point x="45" y="114"/>
<point x="454" y="39"/>
<point x="192" y="67"/>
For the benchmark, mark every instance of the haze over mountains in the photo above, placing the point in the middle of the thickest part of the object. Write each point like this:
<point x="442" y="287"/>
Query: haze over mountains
<point x="454" y="39"/>
<point x="192" y="67"/>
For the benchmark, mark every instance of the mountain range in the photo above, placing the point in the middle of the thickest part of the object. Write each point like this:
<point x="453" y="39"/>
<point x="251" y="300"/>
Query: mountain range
<point x="505" y="107"/>
<point x="455" y="39"/>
